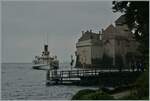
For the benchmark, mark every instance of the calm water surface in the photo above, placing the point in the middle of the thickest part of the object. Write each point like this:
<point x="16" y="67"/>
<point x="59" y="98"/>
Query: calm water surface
<point x="20" y="81"/>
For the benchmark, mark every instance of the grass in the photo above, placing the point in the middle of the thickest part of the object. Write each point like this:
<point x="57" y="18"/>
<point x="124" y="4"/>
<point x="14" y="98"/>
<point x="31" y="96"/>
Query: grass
<point x="88" y="94"/>
<point x="79" y="95"/>
<point x="139" y="91"/>
<point x="98" y="95"/>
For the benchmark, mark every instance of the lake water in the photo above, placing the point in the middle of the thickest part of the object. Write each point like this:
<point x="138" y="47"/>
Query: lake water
<point x="20" y="81"/>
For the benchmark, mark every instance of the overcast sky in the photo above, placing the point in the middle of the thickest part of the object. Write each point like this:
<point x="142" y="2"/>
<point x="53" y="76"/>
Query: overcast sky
<point x="25" y="24"/>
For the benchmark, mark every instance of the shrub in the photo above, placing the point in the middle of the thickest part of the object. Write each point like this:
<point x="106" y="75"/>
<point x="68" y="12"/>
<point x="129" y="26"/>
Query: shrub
<point x="99" y="95"/>
<point x="78" y="95"/>
<point x="92" y="95"/>
<point x="130" y="97"/>
<point x="141" y="89"/>
<point x="143" y="85"/>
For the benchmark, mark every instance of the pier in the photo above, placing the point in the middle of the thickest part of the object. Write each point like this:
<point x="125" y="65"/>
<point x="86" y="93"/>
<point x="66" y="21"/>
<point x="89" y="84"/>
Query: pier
<point x="106" y="77"/>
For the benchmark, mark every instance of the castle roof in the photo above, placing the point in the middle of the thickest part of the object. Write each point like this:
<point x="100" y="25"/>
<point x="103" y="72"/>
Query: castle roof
<point x="110" y="29"/>
<point x="89" y="35"/>
<point x="120" y="20"/>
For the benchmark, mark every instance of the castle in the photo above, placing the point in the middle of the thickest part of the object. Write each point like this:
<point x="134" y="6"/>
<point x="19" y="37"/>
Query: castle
<point x="113" y="47"/>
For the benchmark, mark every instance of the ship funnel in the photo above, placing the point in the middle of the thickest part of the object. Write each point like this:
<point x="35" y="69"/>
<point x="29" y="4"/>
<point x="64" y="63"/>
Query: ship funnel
<point x="45" y="48"/>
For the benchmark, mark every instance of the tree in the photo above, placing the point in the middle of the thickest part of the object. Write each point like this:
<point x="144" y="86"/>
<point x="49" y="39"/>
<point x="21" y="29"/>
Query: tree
<point x="137" y="18"/>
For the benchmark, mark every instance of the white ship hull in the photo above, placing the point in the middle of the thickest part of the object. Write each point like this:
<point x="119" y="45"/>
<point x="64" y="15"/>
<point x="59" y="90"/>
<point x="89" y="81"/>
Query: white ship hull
<point x="41" y="66"/>
<point x="45" y="61"/>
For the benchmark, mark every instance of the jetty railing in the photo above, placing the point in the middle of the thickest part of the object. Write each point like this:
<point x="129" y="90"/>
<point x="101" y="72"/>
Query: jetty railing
<point x="68" y="74"/>
<point x="76" y="76"/>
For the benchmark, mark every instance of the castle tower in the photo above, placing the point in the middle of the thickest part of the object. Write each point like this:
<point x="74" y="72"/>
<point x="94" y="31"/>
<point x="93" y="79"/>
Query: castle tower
<point x="88" y="49"/>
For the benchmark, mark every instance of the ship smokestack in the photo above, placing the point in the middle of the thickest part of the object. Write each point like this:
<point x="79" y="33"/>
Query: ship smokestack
<point x="45" y="48"/>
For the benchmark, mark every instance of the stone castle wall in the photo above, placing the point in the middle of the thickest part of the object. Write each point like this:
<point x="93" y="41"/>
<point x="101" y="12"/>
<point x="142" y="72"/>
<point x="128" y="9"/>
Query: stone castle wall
<point x="114" y="46"/>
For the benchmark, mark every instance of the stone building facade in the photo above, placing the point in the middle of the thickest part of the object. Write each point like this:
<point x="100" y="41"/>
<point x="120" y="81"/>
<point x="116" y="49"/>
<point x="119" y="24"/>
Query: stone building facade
<point x="115" y="46"/>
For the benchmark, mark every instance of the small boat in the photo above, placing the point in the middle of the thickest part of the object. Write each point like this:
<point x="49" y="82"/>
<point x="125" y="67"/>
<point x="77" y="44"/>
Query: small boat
<point x="45" y="61"/>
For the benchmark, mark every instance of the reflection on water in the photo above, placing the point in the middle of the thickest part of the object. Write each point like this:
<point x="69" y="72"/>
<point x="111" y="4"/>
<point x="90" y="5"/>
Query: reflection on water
<point x="20" y="81"/>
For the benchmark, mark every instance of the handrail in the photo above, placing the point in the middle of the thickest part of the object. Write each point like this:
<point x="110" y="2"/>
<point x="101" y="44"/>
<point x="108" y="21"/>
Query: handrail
<point x="79" y="73"/>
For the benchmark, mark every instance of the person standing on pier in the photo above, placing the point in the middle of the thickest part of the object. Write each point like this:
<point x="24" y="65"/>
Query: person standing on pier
<point x="72" y="61"/>
<point x="140" y="66"/>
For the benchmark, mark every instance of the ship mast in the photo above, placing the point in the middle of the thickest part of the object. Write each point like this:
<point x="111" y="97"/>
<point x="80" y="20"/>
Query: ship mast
<point x="46" y="52"/>
<point x="47" y="38"/>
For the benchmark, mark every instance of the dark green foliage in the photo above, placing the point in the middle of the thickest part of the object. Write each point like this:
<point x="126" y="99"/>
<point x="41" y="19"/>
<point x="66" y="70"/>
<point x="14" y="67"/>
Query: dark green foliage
<point x="137" y="18"/>
<point x="78" y="95"/>
<point x="140" y="91"/>
<point x="142" y="85"/>
<point x="99" y="95"/>
<point x="92" y="95"/>
<point x="130" y="97"/>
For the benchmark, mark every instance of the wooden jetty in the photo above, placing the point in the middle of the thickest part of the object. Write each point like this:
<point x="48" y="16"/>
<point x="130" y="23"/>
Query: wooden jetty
<point x="75" y="76"/>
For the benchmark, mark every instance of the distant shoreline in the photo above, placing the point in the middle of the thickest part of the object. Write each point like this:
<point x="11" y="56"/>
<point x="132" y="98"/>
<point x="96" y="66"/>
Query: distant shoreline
<point x="15" y="63"/>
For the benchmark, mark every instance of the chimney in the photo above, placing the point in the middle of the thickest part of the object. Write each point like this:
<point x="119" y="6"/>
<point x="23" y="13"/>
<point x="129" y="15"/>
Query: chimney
<point x="45" y="48"/>
<point x="99" y="32"/>
<point x="100" y="35"/>
<point x="102" y="30"/>
<point x="90" y="30"/>
<point x="87" y="31"/>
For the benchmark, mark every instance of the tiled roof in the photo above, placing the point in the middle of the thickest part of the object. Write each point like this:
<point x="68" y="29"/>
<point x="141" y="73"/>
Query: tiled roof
<point x="110" y="29"/>
<point x="120" y="20"/>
